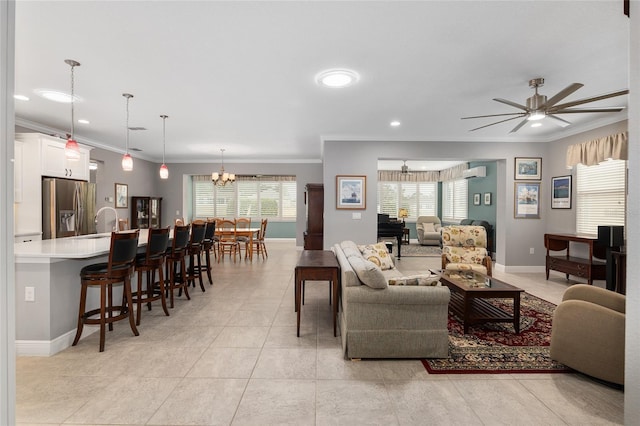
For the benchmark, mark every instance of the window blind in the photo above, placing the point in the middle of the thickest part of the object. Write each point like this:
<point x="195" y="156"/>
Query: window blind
<point x="419" y="198"/>
<point x="454" y="200"/>
<point x="600" y="195"/>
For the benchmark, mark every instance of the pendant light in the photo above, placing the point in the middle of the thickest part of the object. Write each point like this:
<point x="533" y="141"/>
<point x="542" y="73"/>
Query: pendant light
<point x="71" y="148"/>
<point x="127" y="161"/>
<point x="164" y="170"/>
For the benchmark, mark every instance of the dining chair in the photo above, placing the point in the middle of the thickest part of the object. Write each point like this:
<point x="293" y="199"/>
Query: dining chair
<point x="258" y="243"/>
<point x="243" y="223"/>
<point x="228" y="243"/>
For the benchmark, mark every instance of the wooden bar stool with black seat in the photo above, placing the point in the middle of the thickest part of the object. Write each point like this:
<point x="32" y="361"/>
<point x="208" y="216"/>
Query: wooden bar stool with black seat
<point x="198" y="228"/>
<point x="119" y="268"/>
<point x="148" y="263"/>
<point x="208" y="246"/>
<point x="175" y="260"/>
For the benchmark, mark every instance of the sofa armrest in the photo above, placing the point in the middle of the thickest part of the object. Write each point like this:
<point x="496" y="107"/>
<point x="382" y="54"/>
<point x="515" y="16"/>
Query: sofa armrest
<point x="402" y="295"/>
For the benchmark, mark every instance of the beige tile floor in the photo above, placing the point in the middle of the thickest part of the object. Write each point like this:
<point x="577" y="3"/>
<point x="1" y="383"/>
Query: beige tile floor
<point x="231" y="356"/>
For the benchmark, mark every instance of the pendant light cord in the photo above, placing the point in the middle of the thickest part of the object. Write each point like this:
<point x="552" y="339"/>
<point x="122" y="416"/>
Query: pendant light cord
<point x="164" y="134"/>
<point x="72" y="102"/>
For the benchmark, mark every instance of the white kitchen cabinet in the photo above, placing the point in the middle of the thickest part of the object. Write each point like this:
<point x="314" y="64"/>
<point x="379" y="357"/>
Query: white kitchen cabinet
<point x="56" y="164"/>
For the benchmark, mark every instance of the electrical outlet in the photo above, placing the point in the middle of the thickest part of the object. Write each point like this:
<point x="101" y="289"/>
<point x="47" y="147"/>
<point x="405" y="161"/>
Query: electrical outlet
<point x="532" y="250"/>
<point x="29" y="294"/>
<point x="177" y="212"/>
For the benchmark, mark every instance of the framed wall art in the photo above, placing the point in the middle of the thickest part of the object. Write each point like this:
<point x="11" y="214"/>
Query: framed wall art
<point x="476" y="199"/>
<point x="526" y="200"/>
<point x="122" y="196"/>
<point x="528" y="168"/>
<point x="561" y="192"/>
<point x="351" y="192"/>
<point x="487" y="198"/>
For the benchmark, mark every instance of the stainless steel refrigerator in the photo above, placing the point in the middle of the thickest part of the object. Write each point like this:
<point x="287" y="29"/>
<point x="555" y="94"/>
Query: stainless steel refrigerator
<point x="68" y="208"/>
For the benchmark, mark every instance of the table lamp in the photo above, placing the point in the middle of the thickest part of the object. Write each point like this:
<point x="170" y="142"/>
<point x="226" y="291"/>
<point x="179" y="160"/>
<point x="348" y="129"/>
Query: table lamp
<point x="403" y="213"/>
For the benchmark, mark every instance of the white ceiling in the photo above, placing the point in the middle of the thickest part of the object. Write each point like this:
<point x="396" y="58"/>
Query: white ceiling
<point x="240" y="75"/>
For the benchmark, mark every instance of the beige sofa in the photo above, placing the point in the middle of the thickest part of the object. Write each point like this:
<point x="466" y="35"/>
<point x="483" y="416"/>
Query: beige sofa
<point x="587" y="332"/>
<point x="428" y="230"/>
<point x="398" y="321"/>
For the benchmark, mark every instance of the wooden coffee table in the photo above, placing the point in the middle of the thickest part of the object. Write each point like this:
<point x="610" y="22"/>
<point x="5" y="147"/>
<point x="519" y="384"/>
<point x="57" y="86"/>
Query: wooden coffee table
<point x="469" y="291"/>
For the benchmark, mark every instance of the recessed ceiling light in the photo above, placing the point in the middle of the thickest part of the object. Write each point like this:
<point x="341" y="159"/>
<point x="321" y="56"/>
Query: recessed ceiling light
<point x="394" y="123"/>
<point x="82" y="121"/>
<point x="536" y="124"/>
<point x="21" y="97"/>
<point x="337" y="78"/>
<point x="56" y="96"/>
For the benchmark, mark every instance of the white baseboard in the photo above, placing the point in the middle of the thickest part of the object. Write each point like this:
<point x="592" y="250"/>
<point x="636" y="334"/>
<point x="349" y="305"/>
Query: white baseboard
<point x="518" y="269"/>
<point x="50" y="347"/>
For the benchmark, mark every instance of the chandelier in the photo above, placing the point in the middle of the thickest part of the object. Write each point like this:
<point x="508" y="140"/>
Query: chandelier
<point x="222" y="178"/>
<point x="71" y="148"/>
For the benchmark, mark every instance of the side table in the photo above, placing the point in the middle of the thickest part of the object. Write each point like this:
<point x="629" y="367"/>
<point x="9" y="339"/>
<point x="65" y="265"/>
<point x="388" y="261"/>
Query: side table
<point x="405" y="235"/>
<point x="317" y="265"/>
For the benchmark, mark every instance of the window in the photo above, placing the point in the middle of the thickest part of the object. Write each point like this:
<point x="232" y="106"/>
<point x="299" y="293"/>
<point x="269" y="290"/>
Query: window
<point x="272" y="197"/>
<point x="600" y="195"/>
<point x="419" y="198"/>
<point x="454" y="200"/>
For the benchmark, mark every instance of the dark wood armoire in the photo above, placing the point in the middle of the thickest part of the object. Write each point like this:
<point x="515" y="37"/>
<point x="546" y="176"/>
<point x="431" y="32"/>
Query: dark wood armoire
<point x="314" y="203"/>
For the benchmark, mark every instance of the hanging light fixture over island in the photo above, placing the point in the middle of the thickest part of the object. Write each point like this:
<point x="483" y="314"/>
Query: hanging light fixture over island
<point x="164" y="170"/>
<point x="127" y="161"/>
<point x="71" y="148"/>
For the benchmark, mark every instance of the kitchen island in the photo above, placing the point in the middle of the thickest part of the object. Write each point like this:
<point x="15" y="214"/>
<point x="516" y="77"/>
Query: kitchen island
<point x="51" y="268"/>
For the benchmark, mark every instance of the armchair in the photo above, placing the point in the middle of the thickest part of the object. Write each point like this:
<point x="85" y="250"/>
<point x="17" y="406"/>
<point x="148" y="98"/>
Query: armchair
<point x="587" y="332"/>
<point x="465" y="248"/>
<point x="428" y="229"/>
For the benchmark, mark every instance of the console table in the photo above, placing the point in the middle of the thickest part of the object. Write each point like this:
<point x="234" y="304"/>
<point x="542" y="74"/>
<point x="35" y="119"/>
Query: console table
<point x="589" y="268"/>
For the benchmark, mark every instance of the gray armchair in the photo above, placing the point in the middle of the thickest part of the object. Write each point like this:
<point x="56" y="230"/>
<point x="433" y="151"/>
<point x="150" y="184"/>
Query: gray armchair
<point x="428" y="228"/>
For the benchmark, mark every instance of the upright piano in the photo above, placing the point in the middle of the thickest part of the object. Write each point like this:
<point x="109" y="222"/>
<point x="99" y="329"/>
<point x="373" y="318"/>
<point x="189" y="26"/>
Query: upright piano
<point x="388" y="227"/>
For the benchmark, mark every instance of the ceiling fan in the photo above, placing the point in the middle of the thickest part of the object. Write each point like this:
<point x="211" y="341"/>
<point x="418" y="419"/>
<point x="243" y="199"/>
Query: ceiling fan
<point x="404" y="169"/>
<point x="538" y="106"/>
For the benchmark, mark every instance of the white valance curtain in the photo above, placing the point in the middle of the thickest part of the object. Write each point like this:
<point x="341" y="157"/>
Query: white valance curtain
<point x="453" y="173"/>
<point x="398" y="176"/>
<point x="614" y="147"/>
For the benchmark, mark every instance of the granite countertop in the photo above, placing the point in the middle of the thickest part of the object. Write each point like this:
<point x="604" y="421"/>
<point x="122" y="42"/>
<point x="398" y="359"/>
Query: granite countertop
<point x="81" y="247"/>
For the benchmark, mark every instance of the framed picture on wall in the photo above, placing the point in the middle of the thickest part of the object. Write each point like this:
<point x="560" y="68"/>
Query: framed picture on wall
<point x="526" y="200"/>
<point x="122" y="196"/>
<point x="561" y="192"/>
<point x="528" y="168"/>
<point x="487" y="198"/>
<point x="476" y="199"/>
<point x="351" y="192"/>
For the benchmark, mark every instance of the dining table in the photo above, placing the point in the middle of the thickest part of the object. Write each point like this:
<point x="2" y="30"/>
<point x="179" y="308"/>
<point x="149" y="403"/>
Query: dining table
<point x="240" y="232"/>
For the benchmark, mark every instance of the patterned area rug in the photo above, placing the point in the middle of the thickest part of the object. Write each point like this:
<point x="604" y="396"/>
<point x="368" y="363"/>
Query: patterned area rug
<point x="494" y="347"/>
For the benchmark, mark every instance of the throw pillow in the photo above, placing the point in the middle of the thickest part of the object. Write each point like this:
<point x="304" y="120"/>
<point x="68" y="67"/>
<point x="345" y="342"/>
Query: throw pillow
<point x="378" y="254"/>
<point x="368" y="273"/>
<point x="428" y="227"/>
<point x="425" y="280"/>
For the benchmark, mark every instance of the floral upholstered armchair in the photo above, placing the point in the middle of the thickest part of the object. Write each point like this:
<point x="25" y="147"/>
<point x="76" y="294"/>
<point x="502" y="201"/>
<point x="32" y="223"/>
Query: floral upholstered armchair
<point x="465" y="248"/>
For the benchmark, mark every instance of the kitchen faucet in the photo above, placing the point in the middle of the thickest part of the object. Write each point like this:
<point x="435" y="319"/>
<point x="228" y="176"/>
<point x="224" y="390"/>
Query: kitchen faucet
<point x="115" y="225"/>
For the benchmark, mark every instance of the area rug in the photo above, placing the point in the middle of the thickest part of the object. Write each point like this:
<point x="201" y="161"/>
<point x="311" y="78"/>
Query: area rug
<point x="494" y="348"/>
<point x="417" y="250"/>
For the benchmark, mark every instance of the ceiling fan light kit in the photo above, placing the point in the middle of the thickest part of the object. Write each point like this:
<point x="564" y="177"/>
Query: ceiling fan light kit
<point x="539" y="107"/>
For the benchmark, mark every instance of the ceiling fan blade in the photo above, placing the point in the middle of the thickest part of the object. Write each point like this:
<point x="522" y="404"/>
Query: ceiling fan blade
<point x="595" y="109"/>
<point x="522" y="123"/>
<point x="563" y="94"/>
<point x="497" y="122"/>
<point x="587" y="100"/>
<point x="513" y="104"/>
<point x="491" y="115"/>
<point x="559" y="121"/>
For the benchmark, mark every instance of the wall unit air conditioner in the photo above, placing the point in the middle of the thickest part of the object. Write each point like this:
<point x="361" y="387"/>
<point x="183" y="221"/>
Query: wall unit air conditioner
<point x="480" y="171"/>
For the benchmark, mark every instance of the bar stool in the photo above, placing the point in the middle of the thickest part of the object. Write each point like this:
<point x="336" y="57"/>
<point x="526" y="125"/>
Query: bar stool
<point x="176" y="259"/>
<point x="208" y="246"/>
<point x="198" y="229"/>
<point x="118" y="269"/>
<point x="148" y="263"/>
